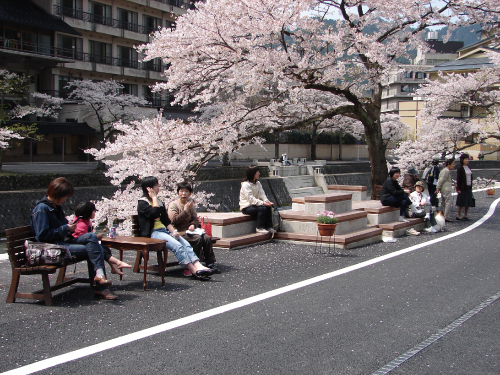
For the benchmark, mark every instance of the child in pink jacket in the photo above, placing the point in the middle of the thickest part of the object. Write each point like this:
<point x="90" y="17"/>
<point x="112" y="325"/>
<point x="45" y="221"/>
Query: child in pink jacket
<point x="84" y="212"/>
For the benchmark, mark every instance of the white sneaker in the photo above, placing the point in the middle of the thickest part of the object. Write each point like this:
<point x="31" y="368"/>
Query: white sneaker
<point x="433" y="230"/>
<point x="427" y="217"/>
<point x="403" y="219"/>
<point x="389" y="239"/>
<point x="260" y="230"/>
<point x="412" y="232"/>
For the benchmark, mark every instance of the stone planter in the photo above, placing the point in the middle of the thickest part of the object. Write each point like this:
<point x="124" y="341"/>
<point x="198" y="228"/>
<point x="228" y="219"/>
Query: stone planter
<point x="326" y="229"/>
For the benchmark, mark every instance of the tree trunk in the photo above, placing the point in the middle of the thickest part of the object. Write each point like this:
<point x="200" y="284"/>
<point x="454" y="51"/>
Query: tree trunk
<point x="3" y="151"/>
<point x="276" y="145"/>
<point x="376" y="152"/>
<point x="314" y="140"/>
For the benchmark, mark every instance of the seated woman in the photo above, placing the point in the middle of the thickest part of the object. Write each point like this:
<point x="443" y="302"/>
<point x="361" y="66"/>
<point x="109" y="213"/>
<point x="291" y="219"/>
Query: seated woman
<point x="253" y="200"/>
<point x="154" y="223"/>
<point x="183" y="216"/>
<point x="393" y="195"/>
<point x="49" y="224"/>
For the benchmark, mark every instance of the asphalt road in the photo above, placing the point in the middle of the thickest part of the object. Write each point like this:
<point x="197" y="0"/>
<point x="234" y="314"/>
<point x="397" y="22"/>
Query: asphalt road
<point x="351" y="313"/>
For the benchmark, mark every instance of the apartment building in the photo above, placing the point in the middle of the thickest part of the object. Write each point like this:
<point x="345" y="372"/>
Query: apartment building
<point x="401" y="86"/>
<point x="59" y="41"/>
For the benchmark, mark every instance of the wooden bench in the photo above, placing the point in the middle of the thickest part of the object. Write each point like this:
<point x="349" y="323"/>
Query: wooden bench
<point x="15" y="248"/>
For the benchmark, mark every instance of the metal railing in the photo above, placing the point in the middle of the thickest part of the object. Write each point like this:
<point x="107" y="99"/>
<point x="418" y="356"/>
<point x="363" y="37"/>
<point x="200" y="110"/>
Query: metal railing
<point x="175" y="3"/>
<point x="35" y="48"/>
<point x="99" y="19"/>
<point x="126" y="63"/>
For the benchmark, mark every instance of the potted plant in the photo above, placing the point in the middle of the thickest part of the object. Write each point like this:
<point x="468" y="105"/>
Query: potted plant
<point x="327" y="222"/>
<point x="490" y="191"/>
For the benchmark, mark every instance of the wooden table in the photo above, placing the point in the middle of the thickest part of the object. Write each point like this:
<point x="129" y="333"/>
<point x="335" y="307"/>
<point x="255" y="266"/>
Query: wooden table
<point x="143" y="245"/>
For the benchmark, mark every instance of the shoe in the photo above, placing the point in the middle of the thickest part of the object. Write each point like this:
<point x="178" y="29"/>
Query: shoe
<point x="204" y="273"/>
<point x="427" y="217"/>
<point x="213" y="267"/>
<point x="101" y="280"/>
<point x="204" y="278"/>
<point x="403" y="219"/>
<point x="459" y="218"/>
<point x="465" y="218"/>
<point x="412" y="232"/>
<point x="261" y="230"/>
<point x="433" y="230"/>
<point x="187" y="273"/>
<point x="105" y="294"/>
<point x="448" y="220"/>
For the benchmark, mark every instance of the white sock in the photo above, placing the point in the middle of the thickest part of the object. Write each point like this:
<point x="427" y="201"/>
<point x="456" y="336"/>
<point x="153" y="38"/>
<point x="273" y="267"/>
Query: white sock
<point x="99" y="272"/>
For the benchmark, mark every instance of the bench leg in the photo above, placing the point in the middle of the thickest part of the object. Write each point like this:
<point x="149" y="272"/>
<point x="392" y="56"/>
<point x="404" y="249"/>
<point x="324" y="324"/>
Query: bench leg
<point x="47" y="294"/>
<point x="145" y="255"/>
<point x="161" y="265"/>
<point x="61" y="276"/>
<point x="11" y="297"/>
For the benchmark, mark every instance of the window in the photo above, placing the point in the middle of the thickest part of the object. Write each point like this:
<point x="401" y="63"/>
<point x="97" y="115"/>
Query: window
<point x="420" y="75"/>
<point x="30" y="146"/>
<point x="154" y="65"/>
<point x="129" y="89"/>
<point x="408" y="74"/>
<point x="150" y="23"/>
<point x="100" y="52"/>
<point x="72" y="8"/>
<point x="57" y="145"/>
<point x="170" y="24"/>
<point x="100" y="13"/>
<point x="464" y="110"/>
<point x="408" y="88"/>
<point x="70" y="47"/>
<point x="127" y="20"/>
<point x="128" y="57"/>
<point x="152" y="97"/>
<point x="63" y="82"/>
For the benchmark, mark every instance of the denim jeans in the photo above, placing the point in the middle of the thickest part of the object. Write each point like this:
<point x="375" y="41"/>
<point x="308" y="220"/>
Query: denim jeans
<point x="401" y="201"/>
<point x="181" y="248"/>
<point x="263" y="213"/>
<point x="86" y="249"/>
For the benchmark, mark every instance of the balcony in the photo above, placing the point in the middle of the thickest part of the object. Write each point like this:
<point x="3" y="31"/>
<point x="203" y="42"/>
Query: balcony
<point x="16" y="47"/>
<point x="106" y="21"/>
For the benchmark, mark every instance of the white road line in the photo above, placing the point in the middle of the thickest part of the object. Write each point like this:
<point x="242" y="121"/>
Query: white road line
<point x="119" y="341"/>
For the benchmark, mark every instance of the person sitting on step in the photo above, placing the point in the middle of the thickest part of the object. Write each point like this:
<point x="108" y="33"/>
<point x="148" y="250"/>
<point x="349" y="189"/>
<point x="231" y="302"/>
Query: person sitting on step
<point x="421" y="201"/>
<point x="253" y="201"/>
<point x="393" y="195"/>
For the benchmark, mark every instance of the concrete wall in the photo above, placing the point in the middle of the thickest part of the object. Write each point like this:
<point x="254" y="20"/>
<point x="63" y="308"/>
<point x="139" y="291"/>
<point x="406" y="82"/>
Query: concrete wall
<point x="326" y="152"/>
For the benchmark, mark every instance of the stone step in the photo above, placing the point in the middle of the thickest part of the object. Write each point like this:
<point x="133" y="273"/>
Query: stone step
<point x="305" y="191"/>
<point x="298" y="222"/>
<point x="243" y="240"/>
<point x="336" y="202"/>
<point x="230" y="224"/>
<point x="343" y="241"/>
<point x="377" y="214"/>
<point x="358" y="191"/>
<point x="298" y="182"/>
<point x="399" y="228"/>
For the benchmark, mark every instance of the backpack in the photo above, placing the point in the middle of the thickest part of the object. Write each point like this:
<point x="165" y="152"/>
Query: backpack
<point x="277" y="221"/>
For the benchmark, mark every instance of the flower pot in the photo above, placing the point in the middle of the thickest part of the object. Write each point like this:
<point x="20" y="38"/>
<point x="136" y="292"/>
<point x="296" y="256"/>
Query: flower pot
<point x="490" y="191"/>
<point x="326" y="229"/>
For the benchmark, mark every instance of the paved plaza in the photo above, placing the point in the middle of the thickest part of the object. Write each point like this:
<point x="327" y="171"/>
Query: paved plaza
<point x="281" y="308"/>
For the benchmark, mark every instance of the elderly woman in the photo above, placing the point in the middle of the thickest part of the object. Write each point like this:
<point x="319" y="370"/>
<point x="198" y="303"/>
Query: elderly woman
<point x="183" y="216"/>
<point x="392" y="194"/>
<point x="445" y="186"/>
<point x="49" y="224"/>
<point x="154" y="223"/>
<point x="464" y="188"/>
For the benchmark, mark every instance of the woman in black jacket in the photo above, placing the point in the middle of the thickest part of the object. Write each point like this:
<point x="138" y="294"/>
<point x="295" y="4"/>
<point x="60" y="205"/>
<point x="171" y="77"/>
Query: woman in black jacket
<point x="394" y="195"/>
<point x="154" y="223"/>
<point x="464" y="187"/>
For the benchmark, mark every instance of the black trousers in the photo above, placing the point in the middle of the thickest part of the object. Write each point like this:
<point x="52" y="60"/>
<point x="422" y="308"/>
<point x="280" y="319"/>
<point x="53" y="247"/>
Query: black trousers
<point x="202" y="247"/>
<point x="264" y="215"/>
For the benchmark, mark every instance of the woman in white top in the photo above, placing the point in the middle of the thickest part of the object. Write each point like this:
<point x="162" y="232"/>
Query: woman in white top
<point x="253" y="200"/>
<point x="464" y="188"/>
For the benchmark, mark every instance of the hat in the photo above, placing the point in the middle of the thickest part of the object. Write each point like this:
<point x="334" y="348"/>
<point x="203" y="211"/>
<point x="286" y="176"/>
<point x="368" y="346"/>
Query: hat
<point x="420" y="183"/>
<point x="412" y="170"/>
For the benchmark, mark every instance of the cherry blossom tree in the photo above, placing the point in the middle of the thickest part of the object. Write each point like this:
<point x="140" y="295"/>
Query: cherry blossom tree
<point x="105" y="102"/>
<point x="277" y="65"/>
<point x="15" y="87"/>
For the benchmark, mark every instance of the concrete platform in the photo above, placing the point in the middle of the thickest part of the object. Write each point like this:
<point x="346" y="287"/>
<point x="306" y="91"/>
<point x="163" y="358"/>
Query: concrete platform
<point x="358" y="191"/>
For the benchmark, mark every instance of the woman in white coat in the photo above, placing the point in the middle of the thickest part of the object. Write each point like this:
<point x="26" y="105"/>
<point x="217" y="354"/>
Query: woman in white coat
<point x="253" y="200"/>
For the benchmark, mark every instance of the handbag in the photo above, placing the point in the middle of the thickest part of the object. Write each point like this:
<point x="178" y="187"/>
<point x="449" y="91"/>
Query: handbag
<point x="206" y="226"/>
<point x="45" y="254"/>
<point x="473" y="202"/>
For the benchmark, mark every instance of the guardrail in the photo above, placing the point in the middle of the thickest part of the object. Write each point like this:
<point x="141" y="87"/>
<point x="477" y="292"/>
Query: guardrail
<point x="35" y="48"/>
